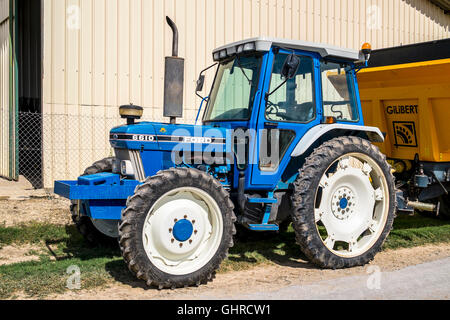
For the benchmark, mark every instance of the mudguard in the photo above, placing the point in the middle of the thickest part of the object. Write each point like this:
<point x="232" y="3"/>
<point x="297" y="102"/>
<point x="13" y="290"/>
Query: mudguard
<point x="374" y="134"/>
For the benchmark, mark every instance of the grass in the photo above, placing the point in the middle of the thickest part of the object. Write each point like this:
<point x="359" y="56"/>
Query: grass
<point x="63" y="247"/>
<point x="31" y="233"/>
<point x="416" y="231"/>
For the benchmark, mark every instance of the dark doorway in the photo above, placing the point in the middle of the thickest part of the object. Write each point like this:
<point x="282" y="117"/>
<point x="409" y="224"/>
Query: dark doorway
<point x="29" y="61"/>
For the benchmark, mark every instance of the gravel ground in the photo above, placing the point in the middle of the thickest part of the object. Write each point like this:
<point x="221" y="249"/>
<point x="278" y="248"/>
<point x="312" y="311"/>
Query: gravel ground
<point x="41" y="210"/>
<point x="270" y="278"/>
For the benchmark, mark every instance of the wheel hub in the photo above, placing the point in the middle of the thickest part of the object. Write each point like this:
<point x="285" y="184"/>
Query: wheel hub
<point x="343" y="203"/>
<point x="183" y="230"/>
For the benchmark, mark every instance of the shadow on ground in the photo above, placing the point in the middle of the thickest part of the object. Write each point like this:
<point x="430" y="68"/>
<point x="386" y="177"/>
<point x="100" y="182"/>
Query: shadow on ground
<point x="249" y="249"/>
<point x="279" y="249"/>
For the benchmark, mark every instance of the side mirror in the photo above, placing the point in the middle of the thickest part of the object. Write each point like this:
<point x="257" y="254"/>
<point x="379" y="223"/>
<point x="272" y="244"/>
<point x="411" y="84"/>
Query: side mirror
<point x="290" y="66"/>
<point x="200" y="83"/>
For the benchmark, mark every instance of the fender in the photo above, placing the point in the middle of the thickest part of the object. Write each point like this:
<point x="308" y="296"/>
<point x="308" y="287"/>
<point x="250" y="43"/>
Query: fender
<point x="374" y="134"/>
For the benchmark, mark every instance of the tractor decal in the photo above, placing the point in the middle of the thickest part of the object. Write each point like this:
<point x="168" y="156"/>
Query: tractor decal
<point x="160" y="138"/>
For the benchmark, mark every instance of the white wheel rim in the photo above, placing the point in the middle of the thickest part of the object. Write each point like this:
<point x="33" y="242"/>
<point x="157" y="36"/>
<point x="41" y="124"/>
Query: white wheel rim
<point x="168" y="245"/>
<point x="353" y="205"/>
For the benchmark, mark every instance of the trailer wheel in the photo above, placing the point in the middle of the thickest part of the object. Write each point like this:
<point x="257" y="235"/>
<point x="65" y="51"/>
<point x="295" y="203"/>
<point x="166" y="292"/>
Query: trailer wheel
<point x="104" y="232"/>
<point x="177" y="228"/>
<point x="344" y="203"/>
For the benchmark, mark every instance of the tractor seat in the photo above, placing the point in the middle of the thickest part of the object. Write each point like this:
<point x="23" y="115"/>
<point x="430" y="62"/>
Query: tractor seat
<point x="301" y="112"/>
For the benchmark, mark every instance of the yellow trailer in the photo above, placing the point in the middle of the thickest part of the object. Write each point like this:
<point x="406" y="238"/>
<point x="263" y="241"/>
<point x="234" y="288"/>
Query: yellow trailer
<point x="411" y="103"/>
<point x="406" y="93"/>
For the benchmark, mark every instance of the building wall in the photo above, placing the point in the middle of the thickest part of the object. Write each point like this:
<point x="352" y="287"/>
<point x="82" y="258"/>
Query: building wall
<point x="6" y="158"/>
<point x="104" y="53"/>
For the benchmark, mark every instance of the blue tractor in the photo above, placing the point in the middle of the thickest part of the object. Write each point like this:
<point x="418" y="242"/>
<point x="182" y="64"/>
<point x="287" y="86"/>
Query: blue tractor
<point x="282" y="140"/>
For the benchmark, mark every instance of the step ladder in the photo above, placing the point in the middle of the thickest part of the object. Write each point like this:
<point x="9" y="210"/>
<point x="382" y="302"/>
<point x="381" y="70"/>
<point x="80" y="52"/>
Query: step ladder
<point x="264" y="226"/>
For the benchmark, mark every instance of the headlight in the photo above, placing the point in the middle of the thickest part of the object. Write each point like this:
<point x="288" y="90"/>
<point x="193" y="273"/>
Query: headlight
<point x="250" y="46"/>
<point x="126" y="168"/>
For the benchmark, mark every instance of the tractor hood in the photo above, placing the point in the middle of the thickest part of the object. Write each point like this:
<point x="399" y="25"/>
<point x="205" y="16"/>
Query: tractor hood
<point x="161" y="136"/>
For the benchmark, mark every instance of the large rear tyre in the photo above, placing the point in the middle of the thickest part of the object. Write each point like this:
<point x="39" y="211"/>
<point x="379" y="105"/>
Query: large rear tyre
<point x="344" y="203"/>
<point x="177" y="228"/>
<point x="103" y="232"/>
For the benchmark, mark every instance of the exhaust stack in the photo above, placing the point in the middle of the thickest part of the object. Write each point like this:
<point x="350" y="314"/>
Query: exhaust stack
<point x="173" y="80"/>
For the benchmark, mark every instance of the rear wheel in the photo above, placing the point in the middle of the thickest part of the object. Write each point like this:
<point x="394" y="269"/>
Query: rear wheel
<point x="344" y="203"/>
<point x="95" y="231"/>
<point x="177" y="228"/>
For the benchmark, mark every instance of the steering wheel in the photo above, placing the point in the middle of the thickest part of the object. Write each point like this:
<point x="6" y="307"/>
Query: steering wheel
<point x="273" y="108"/>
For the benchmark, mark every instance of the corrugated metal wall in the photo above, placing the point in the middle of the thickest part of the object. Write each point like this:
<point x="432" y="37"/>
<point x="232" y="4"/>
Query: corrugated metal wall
<point x="104" y="53"/>
<point x="7" y="154"/>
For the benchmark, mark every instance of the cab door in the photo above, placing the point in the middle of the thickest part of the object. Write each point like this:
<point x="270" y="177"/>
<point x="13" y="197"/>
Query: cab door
<point x="288" y="110"/>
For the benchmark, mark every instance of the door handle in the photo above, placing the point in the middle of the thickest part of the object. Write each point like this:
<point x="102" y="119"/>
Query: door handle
<point x="270" y="125"/>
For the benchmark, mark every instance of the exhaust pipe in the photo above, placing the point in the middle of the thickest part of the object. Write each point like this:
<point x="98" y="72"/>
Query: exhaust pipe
<point x="174" y="28"/>
<point x="173" y="80"/>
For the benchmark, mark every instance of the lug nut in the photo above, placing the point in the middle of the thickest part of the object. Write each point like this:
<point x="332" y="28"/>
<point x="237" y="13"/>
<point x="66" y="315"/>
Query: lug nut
<point x="185" y="217"/>
<point x="190" y="241"/>
<point x="170" y="230"/>
<point x="195" y="231"/>
<point x="193" y="221"/>
<point x="173" y="240"/>
<point x="181" y="245"/>
<point x="175" y="220"/>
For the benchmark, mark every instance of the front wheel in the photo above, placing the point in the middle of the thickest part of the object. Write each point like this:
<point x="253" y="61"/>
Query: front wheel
<point x="177" y="228"/>
<point x="95" y="232"/>
<point x="344" y="203"/>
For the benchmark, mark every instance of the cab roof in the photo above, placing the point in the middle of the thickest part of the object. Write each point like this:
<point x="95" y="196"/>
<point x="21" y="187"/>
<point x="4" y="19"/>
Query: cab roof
<point x="263" y="44"/>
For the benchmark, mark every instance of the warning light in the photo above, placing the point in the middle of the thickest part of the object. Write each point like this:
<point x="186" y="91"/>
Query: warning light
<point x="366" y="50"/>
<point x="330" y="120"/>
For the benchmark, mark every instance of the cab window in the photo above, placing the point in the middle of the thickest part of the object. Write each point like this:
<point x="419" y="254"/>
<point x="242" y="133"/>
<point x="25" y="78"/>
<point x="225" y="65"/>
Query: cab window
<point x="294" y="101"/>
<point x="339" y="99"/>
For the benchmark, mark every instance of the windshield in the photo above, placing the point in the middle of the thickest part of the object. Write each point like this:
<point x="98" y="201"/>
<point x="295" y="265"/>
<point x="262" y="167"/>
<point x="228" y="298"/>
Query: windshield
<point x="234" y="89"/>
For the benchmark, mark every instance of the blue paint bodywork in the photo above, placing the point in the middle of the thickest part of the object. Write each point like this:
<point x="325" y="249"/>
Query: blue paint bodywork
<point x="103" y="195"/>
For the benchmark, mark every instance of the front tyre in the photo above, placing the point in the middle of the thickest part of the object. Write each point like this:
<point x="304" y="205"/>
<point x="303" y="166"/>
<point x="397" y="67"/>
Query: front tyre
<point x="95" y="232"/>
<point x="177" y="228"/>
<point x="344" y="203"/>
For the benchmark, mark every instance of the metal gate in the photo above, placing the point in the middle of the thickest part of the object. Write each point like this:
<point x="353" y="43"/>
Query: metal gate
<point x="8" y="105"/>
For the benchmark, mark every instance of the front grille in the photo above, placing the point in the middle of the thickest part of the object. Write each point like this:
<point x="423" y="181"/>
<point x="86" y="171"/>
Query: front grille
<point x="135" y="157"/>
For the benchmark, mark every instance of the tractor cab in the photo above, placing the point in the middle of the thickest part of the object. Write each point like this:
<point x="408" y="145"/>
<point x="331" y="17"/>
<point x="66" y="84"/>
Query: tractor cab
<point x="278" y="90"/>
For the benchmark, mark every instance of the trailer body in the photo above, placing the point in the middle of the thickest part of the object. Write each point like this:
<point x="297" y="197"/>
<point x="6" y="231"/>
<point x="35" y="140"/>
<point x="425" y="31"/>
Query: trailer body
<point x="406" y="93"/>
<point x="411" y="103"/>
